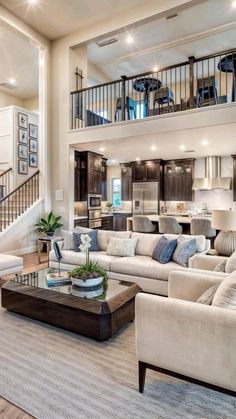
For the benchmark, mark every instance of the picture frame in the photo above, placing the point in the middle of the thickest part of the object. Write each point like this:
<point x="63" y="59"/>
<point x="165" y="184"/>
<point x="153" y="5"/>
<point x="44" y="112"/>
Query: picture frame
<point x="33" y="160"/>
<point x="22" y="120"/>
<point x="22" y="167"/>
<point x="22" y="136"/>
<point x="33" y="131"/>
<point x="33" y="145"/>
<point x="22" y="151"/>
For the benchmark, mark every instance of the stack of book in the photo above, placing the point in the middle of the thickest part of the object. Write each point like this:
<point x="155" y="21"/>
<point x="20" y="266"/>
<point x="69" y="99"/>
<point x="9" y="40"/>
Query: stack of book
<point x="54" y="280"/>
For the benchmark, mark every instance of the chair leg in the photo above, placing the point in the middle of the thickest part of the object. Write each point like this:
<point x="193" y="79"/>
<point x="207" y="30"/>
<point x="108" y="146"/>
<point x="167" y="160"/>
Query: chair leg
<point x="142" y="375"/>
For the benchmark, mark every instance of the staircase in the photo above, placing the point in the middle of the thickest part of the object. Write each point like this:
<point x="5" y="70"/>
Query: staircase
<point x="14" y="203"/>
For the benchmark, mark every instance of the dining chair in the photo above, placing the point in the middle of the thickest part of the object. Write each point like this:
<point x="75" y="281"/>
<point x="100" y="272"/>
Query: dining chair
<point x="169" y="225"/>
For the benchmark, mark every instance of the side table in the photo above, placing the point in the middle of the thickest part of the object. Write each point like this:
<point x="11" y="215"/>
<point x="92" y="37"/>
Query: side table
<point x="48" y="241"/>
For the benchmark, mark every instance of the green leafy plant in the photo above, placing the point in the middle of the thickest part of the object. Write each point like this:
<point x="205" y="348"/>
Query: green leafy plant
<point x="109" y="204"/>
<point x="49" y="225"/>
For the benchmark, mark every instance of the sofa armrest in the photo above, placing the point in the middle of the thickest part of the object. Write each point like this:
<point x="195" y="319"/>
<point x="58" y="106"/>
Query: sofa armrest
<point x="188" y="338"/>
<point x="200" y="261"/>
<point x="186" y="285"/>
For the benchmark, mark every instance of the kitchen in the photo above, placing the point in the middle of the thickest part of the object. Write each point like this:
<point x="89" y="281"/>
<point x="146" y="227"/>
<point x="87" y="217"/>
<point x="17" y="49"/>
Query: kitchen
<point x="172" y="182"/>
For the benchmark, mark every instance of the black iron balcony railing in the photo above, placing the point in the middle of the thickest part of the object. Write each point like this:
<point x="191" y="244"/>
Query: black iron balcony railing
<point x="205" y="81"/>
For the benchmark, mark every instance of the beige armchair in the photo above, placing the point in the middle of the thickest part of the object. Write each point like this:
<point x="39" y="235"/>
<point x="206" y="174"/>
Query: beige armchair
<point x="182" y="338"/>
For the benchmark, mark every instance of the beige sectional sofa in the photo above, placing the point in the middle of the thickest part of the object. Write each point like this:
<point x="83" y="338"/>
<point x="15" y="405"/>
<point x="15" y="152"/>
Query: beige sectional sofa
<point x="149" y="274"/>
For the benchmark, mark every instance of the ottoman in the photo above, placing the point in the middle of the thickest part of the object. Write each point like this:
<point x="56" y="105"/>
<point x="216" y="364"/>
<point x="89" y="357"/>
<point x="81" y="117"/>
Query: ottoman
<point x="10" y="265"/>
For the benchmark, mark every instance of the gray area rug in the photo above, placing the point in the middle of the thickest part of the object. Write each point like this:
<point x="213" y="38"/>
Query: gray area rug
<point x="54" y="374"/>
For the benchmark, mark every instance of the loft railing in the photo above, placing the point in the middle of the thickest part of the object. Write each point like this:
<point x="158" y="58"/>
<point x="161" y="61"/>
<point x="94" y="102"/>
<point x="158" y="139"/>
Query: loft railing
<point x="18" y="201"/>
<point x="5" y="182"/>
<point x="205" y="81"/>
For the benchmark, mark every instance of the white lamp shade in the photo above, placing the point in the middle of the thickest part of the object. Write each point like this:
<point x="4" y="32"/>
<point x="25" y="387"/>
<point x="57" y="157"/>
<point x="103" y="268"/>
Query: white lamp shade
<point x="224" y="220"/>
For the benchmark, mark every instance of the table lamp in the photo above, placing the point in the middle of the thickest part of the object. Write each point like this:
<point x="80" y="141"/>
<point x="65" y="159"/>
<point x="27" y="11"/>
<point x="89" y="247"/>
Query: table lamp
<point x="225" y="221"/>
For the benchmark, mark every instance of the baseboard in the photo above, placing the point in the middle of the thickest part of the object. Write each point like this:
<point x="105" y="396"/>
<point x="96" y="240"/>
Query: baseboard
<point x="23" y="251"/>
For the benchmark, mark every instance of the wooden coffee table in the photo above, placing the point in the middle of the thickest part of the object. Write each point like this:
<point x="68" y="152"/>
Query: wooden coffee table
<point x="98" y="314"/>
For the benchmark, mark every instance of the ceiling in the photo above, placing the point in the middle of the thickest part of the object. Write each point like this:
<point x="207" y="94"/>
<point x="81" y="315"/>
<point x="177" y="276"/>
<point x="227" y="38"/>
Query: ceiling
<point x="21" y="63"/>
<point x="165" y="42"/>
<point x="206" y="141"/>
<point x="56" y="18"/>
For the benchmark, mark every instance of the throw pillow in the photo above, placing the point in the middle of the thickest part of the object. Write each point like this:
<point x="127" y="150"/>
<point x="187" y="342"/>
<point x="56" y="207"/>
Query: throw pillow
<point x="208" y="295"/>
<point x="94" y="240"/>
<point x="121" y="247"/>
<point x="83" y="230"/>
<point x="225" y="295"/>
<point x="231" y="264"/>
<point x="164" y="250"/>
<point x="184" y="250"/>
<point x="68" y="240"/>
<point x="221" y="266"/>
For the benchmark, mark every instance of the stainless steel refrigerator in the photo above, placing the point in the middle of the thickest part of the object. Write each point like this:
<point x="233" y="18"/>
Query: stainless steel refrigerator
<point x="145" y="198"/>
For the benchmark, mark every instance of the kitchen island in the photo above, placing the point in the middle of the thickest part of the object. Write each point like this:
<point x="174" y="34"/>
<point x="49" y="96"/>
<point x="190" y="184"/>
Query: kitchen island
<point x="154" y="218"/>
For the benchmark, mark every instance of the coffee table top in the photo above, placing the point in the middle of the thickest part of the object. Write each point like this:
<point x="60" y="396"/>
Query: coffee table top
<point x="95" y="300"/>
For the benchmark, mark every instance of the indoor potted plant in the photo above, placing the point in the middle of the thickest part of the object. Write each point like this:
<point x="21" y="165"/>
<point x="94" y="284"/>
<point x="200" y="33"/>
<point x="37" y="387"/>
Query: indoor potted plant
<point x="90" y="274"/>
<point x="49" y="225"/>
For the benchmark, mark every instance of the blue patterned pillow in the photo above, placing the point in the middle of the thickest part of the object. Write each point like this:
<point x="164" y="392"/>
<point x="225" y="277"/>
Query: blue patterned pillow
<point x="94" y="240"/>
<point x="184" y="250"/>
<point x="164" y="250"/>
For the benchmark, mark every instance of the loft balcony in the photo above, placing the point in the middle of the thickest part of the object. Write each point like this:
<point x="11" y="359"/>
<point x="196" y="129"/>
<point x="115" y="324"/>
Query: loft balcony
<point x="197" y="83"/>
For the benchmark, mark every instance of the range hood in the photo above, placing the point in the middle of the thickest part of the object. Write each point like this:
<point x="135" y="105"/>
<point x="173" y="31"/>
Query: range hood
<point x="212" y="179"/>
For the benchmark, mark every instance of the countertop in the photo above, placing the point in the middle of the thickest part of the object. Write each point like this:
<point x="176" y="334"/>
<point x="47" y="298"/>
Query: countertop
<point x="80" y="217"/>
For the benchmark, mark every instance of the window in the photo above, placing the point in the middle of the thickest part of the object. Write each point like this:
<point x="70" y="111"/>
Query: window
<point x="140" y="108"/>
<point x="104" y="114"/>
<point x="116" y="192"/>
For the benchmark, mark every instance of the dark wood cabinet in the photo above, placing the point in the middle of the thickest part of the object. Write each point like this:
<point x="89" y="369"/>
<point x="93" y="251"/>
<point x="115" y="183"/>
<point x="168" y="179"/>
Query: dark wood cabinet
<point x="94" y="182"/>
<point x="126" y="182"/>
<point x="146" y="171"/>
<point x="139" y="172"/>
<point x="234" y="177"/>
<point x="81" y="223"/>
<point x="88" y="174"/>
<point x="104" y="179"/>
<point x="119" y="221"/>
<point x="107" y="223"/>
<point x="178" y="180"/>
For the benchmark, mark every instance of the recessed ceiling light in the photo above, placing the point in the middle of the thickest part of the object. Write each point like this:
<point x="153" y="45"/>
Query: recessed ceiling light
<point x="102" y="149"/>
<point x="113" y="161"/>
<point x="33" y="1"/>
<point x="182" y="147"/>
<point x="155" y="69"/>
<point x="129" y="39"/>
<point x="137" y="159"/>
<point x="234" y="4"/>
<point x="153" y="148"/>
<point x="204" y="142"/>
<point x="12" y="81"/>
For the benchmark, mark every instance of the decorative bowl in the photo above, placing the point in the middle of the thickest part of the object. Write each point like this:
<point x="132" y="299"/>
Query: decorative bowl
<point x="88" y="283"/>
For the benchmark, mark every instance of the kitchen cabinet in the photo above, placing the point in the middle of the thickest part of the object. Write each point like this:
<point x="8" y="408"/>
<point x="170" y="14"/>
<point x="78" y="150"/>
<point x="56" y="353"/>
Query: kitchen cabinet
<point x="126" y="182"/>
<point x="234" y="177"/>
<point x="107" y="223"/>
<point x="81" y="222"/>
<point x="88" y="174"/>
<point x="119" y="221"/>
<point x="77" y="178"/>
<point x="146" y="171"/>
<point x="178" y="180"/>
<point x="104" y="179"/>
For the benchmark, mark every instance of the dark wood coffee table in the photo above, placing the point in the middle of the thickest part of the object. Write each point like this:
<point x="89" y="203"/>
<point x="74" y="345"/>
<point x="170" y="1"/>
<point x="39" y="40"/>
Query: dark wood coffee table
<point x="98" y="317"/>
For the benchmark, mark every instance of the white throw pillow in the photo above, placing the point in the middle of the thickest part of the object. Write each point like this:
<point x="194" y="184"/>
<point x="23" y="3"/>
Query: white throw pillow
<point x="68" y="243"/>
<point x="121" y="247"/>
<point x="231" y="264"/>
<point x="207" y="296"/>
<point x="225" y="295"/>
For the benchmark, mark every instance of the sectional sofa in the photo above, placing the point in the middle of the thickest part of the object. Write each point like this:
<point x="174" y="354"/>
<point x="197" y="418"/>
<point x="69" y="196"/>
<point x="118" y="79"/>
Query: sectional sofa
<point x="149" y="274"/>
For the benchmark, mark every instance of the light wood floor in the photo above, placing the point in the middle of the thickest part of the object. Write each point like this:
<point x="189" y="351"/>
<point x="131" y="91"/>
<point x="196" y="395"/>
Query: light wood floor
<point x="9" y="410"/>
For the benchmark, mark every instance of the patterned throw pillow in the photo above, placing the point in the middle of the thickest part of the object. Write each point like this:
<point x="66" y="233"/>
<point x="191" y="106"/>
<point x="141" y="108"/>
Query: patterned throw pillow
<point x="225" y="295"/>
<point x="184" y="250"/>
<point x="207" y="296"/>
<point x="93" y="234"/>
<point x="121" y="247"/>
<point x="164" y="250"/>
<point x="68" y="240"/>
<point x="220" y="267"/>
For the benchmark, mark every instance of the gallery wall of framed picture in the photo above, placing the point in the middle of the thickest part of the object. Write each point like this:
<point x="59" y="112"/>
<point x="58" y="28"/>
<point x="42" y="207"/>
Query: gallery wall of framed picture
<point x="27" y="144"/>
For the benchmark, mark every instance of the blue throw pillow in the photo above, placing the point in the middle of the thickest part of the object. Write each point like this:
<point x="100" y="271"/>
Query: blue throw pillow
<point x="184" y="250"/>
<point x="164" y="250"/>
<point x="94" y="240"/>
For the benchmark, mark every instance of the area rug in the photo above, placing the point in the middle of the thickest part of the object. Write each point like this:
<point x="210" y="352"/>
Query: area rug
<point x="53" y="374"/>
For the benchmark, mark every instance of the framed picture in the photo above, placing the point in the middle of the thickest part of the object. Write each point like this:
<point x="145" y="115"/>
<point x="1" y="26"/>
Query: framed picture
<point x="33" y="160"/>
<point x="22" y="167"/>
<point x="22" y="151"/>
<point x="22" y="120"/>
<point x="33" y="131"/>
<point x="22" y="136"/>
<point x="33" y="145"/>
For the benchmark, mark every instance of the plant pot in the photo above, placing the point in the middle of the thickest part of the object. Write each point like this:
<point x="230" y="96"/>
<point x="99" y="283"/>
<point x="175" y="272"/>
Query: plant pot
<point x="93" y="282"/>
<point x="50" y="234"/>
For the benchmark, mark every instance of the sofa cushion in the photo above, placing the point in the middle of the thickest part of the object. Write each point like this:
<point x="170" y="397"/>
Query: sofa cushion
<point x="143" y="266"/>
<point x="164" y="250"/>
<point x="105" y="235"/>
<point x="78" y="258"/>
<point x="10" y="261"/>
<point x="207" y="296"/>
<point x="220" y="267"/>
<point x="231" y="263"/>
<point x="225" y="295"/>
<point x="200" y="240"/>
<point x="121" y="247"/>
<point x="184" y="250"/>
<point x="93" y="234"/>
<point x="146" y="243"/>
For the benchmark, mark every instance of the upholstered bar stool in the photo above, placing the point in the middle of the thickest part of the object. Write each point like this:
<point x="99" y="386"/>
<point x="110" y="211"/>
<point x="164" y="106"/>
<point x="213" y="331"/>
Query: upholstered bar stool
<point x="202" y="227"/>
<point x="169" y="225"/>
<point x="142" y="224"/>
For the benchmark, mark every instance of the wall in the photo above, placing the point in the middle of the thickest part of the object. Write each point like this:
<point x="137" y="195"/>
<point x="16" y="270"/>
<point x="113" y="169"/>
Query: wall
<point x="9" y="100"/>
<point x="31" y="104"/>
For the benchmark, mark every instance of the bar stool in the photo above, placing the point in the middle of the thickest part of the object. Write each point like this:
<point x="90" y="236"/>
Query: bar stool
<point x="142" y="224"/>
<point x="169" y="225"/>
<point x="202" y="226"/>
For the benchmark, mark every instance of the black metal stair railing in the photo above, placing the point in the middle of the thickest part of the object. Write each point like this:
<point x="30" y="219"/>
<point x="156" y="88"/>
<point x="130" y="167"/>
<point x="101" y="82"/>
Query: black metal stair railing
<point x="196" y="83"/>
<point x="5" y="182"/>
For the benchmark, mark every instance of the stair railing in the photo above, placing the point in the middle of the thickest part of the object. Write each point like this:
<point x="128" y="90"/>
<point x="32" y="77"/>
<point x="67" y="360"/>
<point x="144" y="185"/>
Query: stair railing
<point x="5" y="182"/>
<point x="19" y="200"/>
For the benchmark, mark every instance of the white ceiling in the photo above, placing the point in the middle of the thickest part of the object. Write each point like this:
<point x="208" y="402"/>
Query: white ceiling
<point x="168" y="145"/>
<point x="19" y="61"/>
<point x="164" y="42"/>
<point x="56" y="18"/>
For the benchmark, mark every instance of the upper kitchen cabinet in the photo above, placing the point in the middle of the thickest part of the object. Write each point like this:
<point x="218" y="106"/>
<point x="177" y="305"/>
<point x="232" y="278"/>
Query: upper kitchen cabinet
<point x="126" y="182"/>
<point x="88" y="174"/>
<point x="178" y="180"/>
<point x="104" y="179"/>
<point x="234" y="177"/>
<point x="146" y="171"/>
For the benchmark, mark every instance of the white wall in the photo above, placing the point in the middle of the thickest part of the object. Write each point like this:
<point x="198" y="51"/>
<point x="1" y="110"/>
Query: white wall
<point x="9" y="100"/>
<point x="31" y="104"/>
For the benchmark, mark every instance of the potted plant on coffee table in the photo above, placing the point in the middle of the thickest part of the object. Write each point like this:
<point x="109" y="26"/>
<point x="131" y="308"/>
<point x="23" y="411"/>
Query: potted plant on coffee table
<point x="90" y="274"/>
<point x="49" y="225"/>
